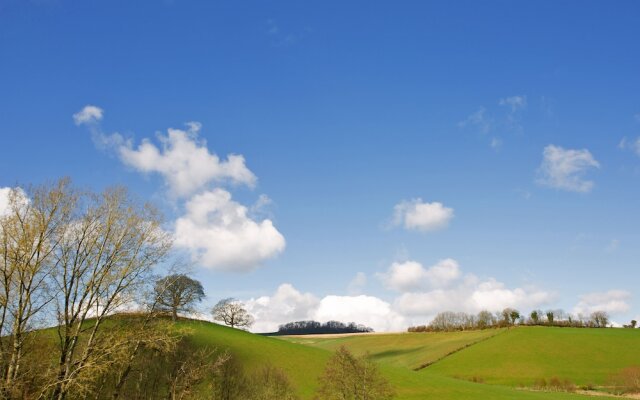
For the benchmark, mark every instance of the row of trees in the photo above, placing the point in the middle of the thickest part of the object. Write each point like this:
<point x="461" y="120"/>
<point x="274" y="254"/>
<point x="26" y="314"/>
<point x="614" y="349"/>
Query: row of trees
<point x="459" y="321"/>
<point x="315" y="327"/>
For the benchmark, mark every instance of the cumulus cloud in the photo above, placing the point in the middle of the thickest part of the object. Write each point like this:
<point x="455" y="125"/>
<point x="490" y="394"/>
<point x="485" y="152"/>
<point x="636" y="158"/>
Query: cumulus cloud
<point x="565" y="169"/>
<point x="184" y="161"/>
<point x="470" y="295"/>
<point x="630" y="144"/>
<point x="515" y="103"/>
<point x="367" y="310"/>
<point x="220" y="234"/>
<point x="443" y="287"/>
<point x="6" y="193"/>
<point x="612" y="301"/>
<point x="287" y="304"/>
<point x="88" y="115"/>
<point x="418" y="215"/>
<point x="411" y="275"/>
<point x="466" y="293"/>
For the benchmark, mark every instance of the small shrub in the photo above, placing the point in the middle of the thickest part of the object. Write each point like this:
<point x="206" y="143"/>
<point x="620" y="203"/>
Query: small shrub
<point x="627" y="380"/>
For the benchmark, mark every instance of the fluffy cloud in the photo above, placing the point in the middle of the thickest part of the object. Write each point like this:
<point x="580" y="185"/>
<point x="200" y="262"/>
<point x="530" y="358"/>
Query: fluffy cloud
<point x="565" y="169"/>
<point x="470" y="295"/>
<point x="367" y="310"/>
<point x="220" y="234"/>
<point x="185" y="162"/>
<point x="514" y="102"/>
<point x="88" y="115"/>
<point x="5" y="198"/>
<point x="286" y="305"/>
<point x="633" y="145"/>
<point x="411" y="275"/>
<point x="418" y="215"/>
<point x="612" y="301"/>
<point x="443" y="287"/>
<point x="5" y="192"/>
<point x="464" y="293"/>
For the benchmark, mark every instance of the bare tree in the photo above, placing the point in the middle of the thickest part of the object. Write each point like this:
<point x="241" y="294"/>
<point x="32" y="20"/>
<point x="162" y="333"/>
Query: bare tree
<point x="178" y="293"/>
<point x="233" y="313"/>
<point x="599" y="319"/>
<point x="31" y="229"/>
<point x="350" y="377"/>
<point x="104" y="257"/>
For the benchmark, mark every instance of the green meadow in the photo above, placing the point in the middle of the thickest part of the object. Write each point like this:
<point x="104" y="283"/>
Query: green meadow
<point x="503" y="360"/>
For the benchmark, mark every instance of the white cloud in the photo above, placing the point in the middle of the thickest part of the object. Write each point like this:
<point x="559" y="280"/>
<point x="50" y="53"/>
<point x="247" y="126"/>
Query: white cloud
<point x="366" y="310"/>
<point x="612" y="301"/>
<point x="411" y="275"/>
<point x="633" y="145"/>
<point x="88" y="115"/>
<point x="357" y="284"/>
<point x="470" y="295"/>
<point x="565" y="169"/>
<point x="6" y="194"/>
<point x="286" y="305"/>
<point x="514" y="102"/>
<point x="477" y="119"/>
<point x="185" y="162"/>
<point x="220" y="234"/>
<point x="418" y="215"/>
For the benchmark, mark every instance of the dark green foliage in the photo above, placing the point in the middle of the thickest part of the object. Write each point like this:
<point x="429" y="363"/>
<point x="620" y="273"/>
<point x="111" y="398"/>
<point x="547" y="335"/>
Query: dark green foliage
<point x="177" y="293"/>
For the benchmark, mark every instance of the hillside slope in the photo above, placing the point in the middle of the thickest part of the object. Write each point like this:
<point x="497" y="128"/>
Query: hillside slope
<point x="305" y="363"/>
<point x="522" y="355"/>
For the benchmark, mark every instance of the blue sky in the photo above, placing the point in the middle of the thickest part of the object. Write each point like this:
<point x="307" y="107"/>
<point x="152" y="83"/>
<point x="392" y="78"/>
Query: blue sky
<point x="416" y="158"/>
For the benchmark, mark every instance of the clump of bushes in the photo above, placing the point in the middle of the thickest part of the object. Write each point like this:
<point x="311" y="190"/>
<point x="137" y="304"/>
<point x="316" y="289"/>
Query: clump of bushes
<point x="627" y="380"/>
<point x="554" y="384"/>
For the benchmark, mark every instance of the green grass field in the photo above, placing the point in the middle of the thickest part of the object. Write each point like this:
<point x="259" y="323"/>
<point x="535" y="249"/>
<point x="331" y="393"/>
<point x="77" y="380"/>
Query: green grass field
<point x="522" y="355"/>
<point x="407" y="350"/>
<point x="503" y="358"/>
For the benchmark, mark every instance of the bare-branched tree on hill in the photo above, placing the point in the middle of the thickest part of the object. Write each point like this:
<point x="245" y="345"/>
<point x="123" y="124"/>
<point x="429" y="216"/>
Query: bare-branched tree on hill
<point x="233" y="313"/>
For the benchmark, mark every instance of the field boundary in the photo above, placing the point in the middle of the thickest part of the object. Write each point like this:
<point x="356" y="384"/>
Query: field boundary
<point x="466" y="346"/>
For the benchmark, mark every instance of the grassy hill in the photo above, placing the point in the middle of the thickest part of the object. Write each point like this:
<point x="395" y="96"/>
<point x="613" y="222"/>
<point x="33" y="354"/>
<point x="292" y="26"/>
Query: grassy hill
<point x="521" y="355"/>
<point x="407" y="350"/>
<point x="397" y="355"/>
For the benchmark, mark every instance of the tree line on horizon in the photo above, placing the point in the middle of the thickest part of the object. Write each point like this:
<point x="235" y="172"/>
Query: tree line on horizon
<point x="315" y="327"/>
<point x="460" y="321"/>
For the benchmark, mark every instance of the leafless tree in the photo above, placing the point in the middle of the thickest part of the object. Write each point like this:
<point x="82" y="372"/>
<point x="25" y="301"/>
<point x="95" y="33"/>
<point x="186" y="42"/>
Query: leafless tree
<point x="178" y="293"/>
<point x="233" y="313"/>
<point x="31" y="229"/>
<point x="349" y="377"/>
<point x="104" y="256"/>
